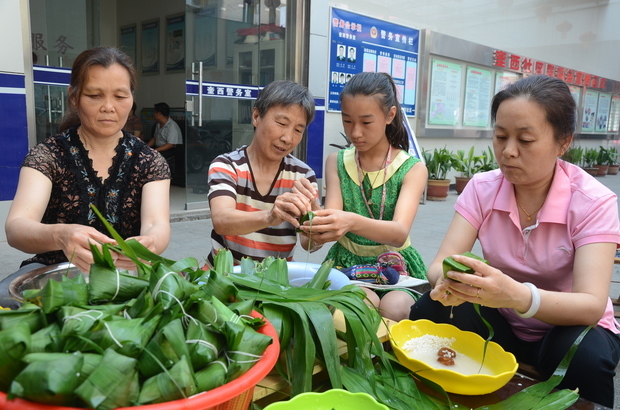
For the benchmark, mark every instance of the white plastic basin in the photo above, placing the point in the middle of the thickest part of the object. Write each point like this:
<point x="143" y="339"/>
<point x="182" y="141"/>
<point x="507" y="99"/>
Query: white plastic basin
<point x="300" y="273"/>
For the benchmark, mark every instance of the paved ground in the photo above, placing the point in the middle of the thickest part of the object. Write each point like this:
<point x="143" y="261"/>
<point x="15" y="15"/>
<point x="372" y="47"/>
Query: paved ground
<point x="191" y="237"/>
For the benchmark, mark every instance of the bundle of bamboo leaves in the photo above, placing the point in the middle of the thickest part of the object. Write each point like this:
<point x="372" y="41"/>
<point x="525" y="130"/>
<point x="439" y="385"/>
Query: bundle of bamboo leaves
<point x="303" y="319"/>
<point x="120" y="340"/>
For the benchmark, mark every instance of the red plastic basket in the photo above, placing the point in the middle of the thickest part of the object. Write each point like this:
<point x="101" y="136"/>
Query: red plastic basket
<point x="236" y="395"/>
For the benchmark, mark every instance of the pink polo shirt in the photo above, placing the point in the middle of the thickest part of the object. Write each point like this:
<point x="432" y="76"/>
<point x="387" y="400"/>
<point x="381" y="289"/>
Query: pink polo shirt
<point x="578" y="210"/>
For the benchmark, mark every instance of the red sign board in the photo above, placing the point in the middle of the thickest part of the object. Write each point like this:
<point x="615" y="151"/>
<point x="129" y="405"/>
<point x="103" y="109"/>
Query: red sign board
<point x="526" y="65"/>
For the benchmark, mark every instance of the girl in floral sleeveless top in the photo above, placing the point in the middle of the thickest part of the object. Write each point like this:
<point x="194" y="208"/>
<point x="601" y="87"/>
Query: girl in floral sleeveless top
<point x="373" y="188"/>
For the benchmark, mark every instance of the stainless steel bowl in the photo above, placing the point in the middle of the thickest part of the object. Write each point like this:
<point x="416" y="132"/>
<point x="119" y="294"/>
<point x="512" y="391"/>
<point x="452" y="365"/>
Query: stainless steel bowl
<point x="37" y="278"/>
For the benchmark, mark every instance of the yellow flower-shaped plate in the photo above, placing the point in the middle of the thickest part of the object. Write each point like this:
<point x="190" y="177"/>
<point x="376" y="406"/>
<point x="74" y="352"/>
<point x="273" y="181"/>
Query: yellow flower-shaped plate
<point x="331" y="399"/>
<point x="502" y="365"/>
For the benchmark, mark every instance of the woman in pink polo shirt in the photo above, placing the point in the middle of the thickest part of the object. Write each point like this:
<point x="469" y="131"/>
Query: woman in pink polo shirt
<point x="549" y="232"/>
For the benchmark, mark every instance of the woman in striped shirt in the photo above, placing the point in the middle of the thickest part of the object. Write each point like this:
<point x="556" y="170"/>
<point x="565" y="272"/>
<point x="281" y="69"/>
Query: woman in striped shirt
<point x="254" y="206"/>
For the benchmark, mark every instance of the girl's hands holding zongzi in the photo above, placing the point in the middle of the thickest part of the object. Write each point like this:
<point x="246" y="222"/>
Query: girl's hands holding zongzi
<point x="328" y="225"/>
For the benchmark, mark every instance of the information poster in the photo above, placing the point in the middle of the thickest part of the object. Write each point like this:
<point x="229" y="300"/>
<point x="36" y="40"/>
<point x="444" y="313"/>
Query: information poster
<point x="360" y="43"/>
<point x="576" y="93"/>
<point x="614" y="114"/>
<point x="175" y="43"/>
<point x="445" y="93"/>
<point x="602" y="112"/>
<point x="589" y="111"/>
<point x="150" y="47"/>
<point x="128" y="42"/>
<point x="503" y="79"/>
<point x="477" y="97"/>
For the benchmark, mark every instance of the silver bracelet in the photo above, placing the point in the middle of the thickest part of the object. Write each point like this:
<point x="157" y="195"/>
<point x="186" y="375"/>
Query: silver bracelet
<point x="535" y="302"/>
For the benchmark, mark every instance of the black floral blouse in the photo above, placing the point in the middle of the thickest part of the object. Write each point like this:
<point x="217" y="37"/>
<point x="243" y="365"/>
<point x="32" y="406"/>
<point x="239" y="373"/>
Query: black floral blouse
<point x="75" y="184"/>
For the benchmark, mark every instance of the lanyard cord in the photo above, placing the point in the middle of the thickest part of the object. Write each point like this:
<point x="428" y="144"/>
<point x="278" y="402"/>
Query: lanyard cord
<point x="361" y="178"/>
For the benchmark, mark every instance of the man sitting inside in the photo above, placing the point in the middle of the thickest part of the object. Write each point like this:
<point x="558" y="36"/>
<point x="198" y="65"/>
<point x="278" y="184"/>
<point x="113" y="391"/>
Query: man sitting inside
<point x="167" y="132"/>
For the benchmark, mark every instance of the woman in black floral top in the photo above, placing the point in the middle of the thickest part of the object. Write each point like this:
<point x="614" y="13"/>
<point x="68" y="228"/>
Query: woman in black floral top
<point x="91" y="162"/>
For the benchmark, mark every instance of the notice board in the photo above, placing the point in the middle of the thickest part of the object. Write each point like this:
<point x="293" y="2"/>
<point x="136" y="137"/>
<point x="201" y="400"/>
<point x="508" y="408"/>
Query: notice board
<point x="361" y="43"/>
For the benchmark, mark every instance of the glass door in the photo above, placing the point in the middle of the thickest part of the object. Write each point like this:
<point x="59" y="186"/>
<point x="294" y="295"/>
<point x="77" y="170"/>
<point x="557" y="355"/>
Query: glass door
<point x="59" y="32"/>
<point x="233" y="47"/>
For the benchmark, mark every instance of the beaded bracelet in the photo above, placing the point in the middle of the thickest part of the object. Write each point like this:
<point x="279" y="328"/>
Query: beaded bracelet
<point x="535" y="302"/>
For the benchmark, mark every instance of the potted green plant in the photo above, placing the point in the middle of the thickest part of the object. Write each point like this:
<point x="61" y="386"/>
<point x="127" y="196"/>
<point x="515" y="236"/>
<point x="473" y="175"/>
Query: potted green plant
<point x="590" y="157"/>
<point x="574" y="155"/>
<point x="613" y="161"/>
<point x="487" y="161"/>
<point x="467" y="164"/>
<point x="602" y="161"/>
<point x="438" y="163"/>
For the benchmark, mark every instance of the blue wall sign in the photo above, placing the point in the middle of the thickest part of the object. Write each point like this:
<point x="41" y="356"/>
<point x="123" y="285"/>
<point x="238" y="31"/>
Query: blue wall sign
<point x="360" y="43"/>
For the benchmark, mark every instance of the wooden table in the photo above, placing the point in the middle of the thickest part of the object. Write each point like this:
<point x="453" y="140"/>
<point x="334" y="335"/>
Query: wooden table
<point x="268" y="390"/>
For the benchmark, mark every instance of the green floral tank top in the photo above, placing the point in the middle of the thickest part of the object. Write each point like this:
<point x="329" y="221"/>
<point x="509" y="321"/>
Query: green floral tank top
<point x="353" y="201"/>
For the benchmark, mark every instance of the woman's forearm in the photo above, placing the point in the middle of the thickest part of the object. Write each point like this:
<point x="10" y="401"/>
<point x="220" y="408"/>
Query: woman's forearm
<point x="389" y="233"/>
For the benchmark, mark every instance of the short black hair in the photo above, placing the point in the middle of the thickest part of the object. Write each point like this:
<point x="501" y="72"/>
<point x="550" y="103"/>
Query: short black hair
<point x="285" y="93"/>
<point x="163" y="109"/>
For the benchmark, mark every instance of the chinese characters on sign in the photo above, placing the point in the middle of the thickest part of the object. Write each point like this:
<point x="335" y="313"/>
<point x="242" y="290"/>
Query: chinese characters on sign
<point x="61" y="45"/>
<point x="359" y="43"/>
<point x="503" y="59"/>
<point x="223" y="90"/>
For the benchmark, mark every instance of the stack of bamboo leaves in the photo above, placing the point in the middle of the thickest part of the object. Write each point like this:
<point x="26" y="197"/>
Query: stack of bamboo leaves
<point x="303" y="319"/>
<point x="121" y="340"/>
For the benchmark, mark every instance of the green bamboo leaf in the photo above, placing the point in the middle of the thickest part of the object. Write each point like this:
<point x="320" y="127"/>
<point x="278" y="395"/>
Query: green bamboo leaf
<point x="204" y="344"/>
<point x="177" y="383"/>
<point x="126" y="249"/>
<point x="309" y="216"/>
<point x="323" y="323"/>
<point x="166" y="347"/>
<point x="530" y="397"/>
<point x="14" y="344"/>
<point x="248" y="266"/>
<point x="46" y="339"/>
<point x="280" y="319"/>
<point x="488" y="339"/>
<point x="303" y="350"/>
<point x="561" y="399"/>
<point x="245" y="347"/>
<point x="113" y="383"/>
<point x="223" y="261"/>
<point x="212" y="376"/>
<point x="49" y="378"/>
<point x="398" y="393"/>
<point x="320" y="277"/>
<point x="449" y="264"/>
<point x="29" y="314"/>
<point x="143" y="253"/>
<point x="112" y="285"/>
<point x="277" y="272"/>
